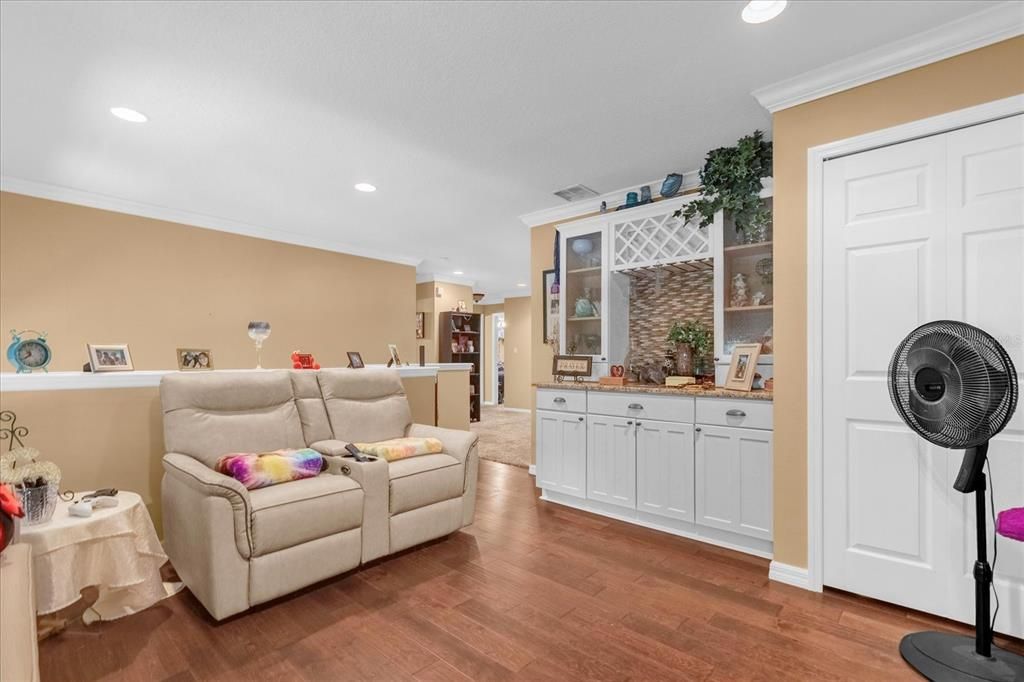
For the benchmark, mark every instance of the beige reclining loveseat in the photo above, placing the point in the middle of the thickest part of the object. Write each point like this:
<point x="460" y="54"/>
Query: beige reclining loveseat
<point x="235" y="548"/>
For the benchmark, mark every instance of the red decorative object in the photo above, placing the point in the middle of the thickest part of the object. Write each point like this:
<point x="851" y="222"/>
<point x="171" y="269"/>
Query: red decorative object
<point x="302" y="360"/>
<point x="10" y="508"/>
<point x="618" y="370"/>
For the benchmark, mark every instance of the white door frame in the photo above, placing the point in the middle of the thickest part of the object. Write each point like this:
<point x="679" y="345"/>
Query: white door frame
<point x="816" y="157"/>
<point x="493" y="362"/>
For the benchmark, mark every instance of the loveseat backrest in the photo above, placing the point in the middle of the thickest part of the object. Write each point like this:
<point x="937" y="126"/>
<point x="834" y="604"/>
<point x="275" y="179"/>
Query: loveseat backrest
<point x="207" y="415"/>
<point x="310" y="403"/>
<point x="365" y="405"/>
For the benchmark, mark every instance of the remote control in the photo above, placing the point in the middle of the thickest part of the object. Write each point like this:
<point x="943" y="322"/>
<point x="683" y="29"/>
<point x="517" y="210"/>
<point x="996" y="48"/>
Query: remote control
<point x="354" y="451"/>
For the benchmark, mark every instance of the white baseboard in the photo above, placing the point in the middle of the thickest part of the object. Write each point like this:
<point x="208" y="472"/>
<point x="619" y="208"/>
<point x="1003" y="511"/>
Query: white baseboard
<point x="533" y="470"/>
<point x="489" y="403"/>
<point x="790" y="575"/>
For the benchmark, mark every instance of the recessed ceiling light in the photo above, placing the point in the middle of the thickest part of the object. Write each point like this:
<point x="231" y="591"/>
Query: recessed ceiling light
<point x="365" y="187"/>
<point x="457" y="272"/>
<point x="520" y="285"/>
<point x="760" y="11"/>
<point x="130" y="115"/>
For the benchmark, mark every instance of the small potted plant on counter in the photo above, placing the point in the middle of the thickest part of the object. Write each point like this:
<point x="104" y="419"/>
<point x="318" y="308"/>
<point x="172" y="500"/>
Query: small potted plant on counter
<point x="692" y="340"/>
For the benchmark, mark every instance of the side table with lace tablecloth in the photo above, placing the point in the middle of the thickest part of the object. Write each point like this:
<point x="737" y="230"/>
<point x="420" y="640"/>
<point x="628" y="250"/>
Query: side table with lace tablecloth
<point x="116" y="550"/>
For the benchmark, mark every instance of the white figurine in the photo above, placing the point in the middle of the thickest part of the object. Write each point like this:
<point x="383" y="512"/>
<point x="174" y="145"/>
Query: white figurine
<point x="740" y="293"/>
<point x="759" y="298"/>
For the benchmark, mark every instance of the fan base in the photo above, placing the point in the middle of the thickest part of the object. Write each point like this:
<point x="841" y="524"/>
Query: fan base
<point x="951" y="658"/>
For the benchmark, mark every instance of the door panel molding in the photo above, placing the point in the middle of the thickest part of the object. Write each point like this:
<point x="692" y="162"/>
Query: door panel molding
<point x="816" y="157"/>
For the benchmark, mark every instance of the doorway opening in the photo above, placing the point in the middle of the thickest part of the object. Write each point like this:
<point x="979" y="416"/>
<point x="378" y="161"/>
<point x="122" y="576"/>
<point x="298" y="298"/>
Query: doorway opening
<point x="498" y="358"/>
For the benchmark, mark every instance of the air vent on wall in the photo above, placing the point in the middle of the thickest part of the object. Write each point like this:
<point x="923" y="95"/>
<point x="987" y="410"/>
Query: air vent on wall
<point x="575" y="193"/>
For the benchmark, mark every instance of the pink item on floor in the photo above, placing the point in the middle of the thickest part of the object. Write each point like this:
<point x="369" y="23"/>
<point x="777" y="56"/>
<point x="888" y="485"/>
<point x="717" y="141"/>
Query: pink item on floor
<point x="1010" y="523"/>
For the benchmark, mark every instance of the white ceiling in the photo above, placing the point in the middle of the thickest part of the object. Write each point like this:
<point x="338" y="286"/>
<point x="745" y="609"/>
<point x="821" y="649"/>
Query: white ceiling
<point x="465" y="115"/>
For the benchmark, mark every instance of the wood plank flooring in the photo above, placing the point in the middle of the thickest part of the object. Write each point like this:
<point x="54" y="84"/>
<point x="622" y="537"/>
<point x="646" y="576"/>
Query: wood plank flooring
<point x="531" y="591"/>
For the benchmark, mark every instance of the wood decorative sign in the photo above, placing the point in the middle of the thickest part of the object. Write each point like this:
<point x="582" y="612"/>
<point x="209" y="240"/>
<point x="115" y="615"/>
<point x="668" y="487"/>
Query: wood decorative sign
<point x="574" y="366"/>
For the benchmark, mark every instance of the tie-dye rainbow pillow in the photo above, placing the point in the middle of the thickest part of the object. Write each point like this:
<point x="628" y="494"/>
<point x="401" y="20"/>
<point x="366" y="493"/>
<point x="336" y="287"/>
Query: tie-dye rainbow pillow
<point x="400" y="448"/>
<point x="270" y="468"/>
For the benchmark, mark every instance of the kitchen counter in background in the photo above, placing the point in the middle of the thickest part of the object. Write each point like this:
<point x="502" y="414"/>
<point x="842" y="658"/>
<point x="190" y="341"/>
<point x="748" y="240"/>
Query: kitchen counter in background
<point x="716" y="392"/>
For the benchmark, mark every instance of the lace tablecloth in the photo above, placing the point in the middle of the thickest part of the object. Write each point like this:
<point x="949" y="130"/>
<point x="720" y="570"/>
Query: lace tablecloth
<point x="115" y="549"/>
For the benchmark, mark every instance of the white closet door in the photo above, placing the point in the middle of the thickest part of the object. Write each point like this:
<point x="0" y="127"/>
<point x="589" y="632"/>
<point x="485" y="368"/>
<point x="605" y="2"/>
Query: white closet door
<point x="986" y="288"/>
<point x="886" y="491"/>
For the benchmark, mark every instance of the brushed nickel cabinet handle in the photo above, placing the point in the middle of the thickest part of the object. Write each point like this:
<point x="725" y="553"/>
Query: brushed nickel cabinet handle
<point x="697" y="429"/>
<point x="581" y="418"/>
<point x="635" y="406"/>
<point x="559" y="401"/>
<point x="629" y="423"/>
<point x="639" y="423"/>
<point x="736" y="413"/>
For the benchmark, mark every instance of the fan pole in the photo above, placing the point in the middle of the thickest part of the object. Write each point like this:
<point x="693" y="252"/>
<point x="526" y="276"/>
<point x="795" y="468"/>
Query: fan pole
<point x="982" y="576"/>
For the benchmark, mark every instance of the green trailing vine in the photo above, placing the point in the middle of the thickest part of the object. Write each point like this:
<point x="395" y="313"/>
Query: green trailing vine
<point x="731" y="178"/>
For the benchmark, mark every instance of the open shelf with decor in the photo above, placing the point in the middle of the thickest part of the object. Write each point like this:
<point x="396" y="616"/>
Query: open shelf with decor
<point x="459" y="339"/>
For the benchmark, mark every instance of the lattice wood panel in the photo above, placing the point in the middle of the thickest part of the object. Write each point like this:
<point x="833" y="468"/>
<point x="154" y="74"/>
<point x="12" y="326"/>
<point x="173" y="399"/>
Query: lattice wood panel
<point x="657" y="240"/>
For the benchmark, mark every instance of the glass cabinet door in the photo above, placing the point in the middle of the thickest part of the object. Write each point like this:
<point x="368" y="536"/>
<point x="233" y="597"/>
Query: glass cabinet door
<point x="582" y="294"/>
<point x="749" y="291"/>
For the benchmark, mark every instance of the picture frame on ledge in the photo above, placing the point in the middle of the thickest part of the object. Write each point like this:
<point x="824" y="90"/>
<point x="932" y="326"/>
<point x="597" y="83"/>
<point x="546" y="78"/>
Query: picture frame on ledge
<point x="743" y="366"/>
<point x="110" y="357"/>
<point x="195" y="359"/>
<point x="575" y="367"/>
<point x="421" y="321"/>
<point x="355" y="360"/>
<point x="395" y="360"/>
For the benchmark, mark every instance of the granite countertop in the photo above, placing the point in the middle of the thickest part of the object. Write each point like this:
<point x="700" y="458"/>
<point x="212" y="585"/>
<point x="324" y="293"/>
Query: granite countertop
<point x="717" y="392"/>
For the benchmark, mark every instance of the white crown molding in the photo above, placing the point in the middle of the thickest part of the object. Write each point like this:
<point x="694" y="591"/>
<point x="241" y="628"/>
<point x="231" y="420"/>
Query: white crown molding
<point x="974" y="31"/>
<point x="790" y="575"/>
<point x="424" y="277"/>
<point x="691" y="179"/>
<point x="105" y="202"/>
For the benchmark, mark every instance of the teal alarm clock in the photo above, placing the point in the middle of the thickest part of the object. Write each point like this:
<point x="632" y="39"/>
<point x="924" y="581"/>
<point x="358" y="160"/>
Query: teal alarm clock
<point x="29" y="354"/>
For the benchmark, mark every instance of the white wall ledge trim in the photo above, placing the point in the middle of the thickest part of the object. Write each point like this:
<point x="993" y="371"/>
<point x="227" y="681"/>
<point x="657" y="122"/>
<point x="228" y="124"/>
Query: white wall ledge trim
<point x="574" y="209"/>
<point x="105" y="202"/>
<point x="11" y="382"/>
<point x="998" y="23"/>
<point x="790" y="575"/>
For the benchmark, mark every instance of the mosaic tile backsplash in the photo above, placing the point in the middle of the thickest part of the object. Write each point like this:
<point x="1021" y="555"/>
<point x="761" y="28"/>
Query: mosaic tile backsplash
<point x="659" y="299"/>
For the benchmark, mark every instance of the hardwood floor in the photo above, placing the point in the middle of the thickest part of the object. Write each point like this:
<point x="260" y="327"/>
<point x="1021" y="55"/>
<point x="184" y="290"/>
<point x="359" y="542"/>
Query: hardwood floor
<point x="531" y="591"/>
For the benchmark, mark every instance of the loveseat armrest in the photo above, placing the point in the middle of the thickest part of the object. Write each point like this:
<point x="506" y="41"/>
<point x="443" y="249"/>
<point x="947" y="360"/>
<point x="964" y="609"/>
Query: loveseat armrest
<point x="206" y="482"/>
<point x="458" y="444"/>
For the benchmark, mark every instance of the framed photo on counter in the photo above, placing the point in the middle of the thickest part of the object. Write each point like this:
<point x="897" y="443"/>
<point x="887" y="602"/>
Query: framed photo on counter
<point x="743" y="366"/>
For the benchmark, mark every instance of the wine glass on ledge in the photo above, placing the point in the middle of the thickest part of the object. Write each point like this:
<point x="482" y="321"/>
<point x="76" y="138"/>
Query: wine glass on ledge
<point x="258" y="332"/>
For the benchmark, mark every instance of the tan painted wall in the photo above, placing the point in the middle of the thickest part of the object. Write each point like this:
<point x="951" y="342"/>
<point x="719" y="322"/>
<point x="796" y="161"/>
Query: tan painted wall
<point x="85" y="275"/>
<point x="114" y="437"/>
<point x="518" y="352"/>
<point x="980" y="76"/>
<point x="433" y="306"/>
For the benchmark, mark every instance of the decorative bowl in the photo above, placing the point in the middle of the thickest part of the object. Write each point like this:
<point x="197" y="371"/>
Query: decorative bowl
<point x="39" y="503"/>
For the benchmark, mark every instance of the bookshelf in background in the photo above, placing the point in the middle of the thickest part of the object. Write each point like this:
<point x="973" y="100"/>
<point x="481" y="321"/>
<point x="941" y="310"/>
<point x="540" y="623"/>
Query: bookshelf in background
<point x="460" y="339"/>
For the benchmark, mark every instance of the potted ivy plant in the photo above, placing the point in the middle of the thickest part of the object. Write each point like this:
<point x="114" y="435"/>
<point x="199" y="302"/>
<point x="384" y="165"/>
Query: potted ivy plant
<point x="731" y="179"/>
<point x="692" y="339"/>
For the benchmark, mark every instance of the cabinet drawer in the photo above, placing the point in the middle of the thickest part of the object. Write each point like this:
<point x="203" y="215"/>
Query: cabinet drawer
<point x="561" y="401"/>
<point x="751" y="414"/>
<point x="668" y="408"/>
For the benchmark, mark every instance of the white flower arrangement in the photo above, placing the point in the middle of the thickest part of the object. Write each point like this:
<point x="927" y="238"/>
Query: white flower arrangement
<point x="20" y="468"/>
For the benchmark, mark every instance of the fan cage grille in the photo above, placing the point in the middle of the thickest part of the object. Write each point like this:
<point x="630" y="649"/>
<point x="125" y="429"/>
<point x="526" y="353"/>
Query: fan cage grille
<point x="979" y="399"/>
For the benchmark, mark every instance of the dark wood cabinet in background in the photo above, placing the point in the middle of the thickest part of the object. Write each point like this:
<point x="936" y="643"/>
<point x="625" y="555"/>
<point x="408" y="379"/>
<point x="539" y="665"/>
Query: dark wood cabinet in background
<point x="460" y="339"/>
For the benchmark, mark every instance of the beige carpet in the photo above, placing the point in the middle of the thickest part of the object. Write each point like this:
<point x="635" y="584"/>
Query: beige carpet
<point x="504" y="436"/>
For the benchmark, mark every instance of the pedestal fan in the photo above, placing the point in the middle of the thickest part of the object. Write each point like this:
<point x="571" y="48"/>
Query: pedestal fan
<point x="956" y="387"/>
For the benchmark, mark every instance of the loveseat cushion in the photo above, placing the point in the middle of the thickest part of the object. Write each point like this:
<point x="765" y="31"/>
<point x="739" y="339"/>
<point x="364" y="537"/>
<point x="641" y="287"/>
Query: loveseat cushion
<point x="209" y="414"/>
<point x="419" y="481"/>
<point x="365" y="405"/>
<point x="299" y="511"/>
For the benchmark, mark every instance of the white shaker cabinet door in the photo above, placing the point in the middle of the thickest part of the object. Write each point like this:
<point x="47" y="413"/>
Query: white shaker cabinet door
<point x="611" y="460"/>
<point x="664" y="467"/>
<point x="733" y="488"/>
<point x="562" y="452"/>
